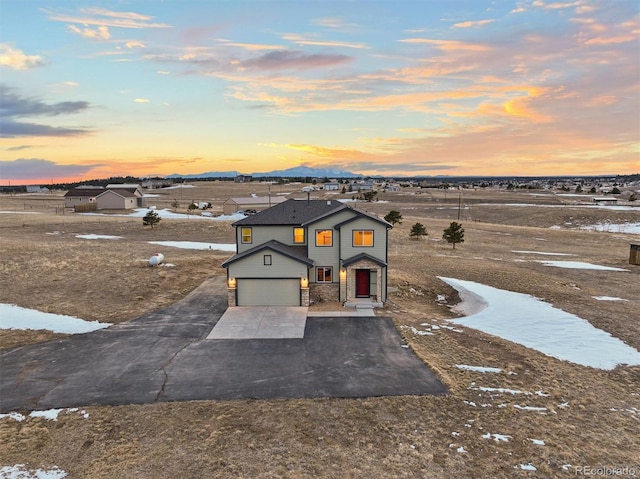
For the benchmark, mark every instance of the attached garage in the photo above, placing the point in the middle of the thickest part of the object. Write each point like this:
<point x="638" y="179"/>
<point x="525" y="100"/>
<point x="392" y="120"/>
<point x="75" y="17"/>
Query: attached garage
<point x="268" y="292"/>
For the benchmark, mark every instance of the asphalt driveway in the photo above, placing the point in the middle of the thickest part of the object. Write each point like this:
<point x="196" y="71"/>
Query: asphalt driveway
<point x="165" y="356"/>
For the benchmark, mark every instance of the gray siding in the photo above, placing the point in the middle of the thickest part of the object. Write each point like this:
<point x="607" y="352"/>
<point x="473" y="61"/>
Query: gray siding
<point x="253" y="267"/>
<point x="262" y="234"/>
<point x="325" y="255"/>
<point x="379" y="248"/>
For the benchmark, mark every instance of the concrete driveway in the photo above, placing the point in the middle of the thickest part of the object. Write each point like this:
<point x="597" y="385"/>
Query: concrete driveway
<point x="261" y="322"/>
<point x="165" y="356"/>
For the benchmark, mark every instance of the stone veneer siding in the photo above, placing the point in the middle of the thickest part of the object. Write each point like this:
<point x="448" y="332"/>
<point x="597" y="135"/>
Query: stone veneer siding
<point x="231" y="297"/>
<point x="324" y="292"/>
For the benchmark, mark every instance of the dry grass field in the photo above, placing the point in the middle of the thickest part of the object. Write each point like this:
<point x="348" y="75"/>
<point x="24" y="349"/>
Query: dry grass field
<point x="592" y="416"/>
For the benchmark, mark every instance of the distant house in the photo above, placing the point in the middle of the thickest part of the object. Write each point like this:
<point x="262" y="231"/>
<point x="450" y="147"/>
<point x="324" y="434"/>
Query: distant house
<point x="37" y="189"/>
<point x="113" y="197"/>
<point x="257" y="203"/>
<point x="243" y="178"/>
<point x="308" y="250"/>
<point x="332" y="186"/>
<point x="117" y="199"/>
<point x="82" y="196"/>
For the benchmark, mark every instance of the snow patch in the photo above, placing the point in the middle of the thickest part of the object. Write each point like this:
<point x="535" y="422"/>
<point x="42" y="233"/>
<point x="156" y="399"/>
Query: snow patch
<point x="526" y="467"/>
<point x="19" y="471"/>
<point x="496" y="437"/>
<point x="608" y="298"/>
<point x="529" y="321"/>
<point x="15" y="317"/>
<point x="93" y="237"/>
<point x="579" y="265"/>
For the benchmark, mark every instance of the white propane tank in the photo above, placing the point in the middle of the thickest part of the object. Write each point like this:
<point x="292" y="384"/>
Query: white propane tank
<point x="156" y="259"/>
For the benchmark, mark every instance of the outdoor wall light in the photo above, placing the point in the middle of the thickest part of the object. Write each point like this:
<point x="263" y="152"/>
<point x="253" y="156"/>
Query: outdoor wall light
<point x="343" y="273"/>
<point x="304" y="282"/>
<point x="231" y="282"/>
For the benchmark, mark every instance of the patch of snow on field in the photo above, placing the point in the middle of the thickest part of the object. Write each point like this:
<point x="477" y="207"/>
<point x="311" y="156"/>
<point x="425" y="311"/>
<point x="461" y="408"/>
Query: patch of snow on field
<point x="15" y="317"/>
<point x="608" y="298"/>
<point x="19" y="471"/>
<point x="578" y="265"/>
<point x="606" y="227"/>
<point x="530" y="408"/>
<point x="48" y="414"/>
<point x="496" y="437"/>
<point x="480" y="369"/>
<point x="92" y="237"/>
<point x="168" y="214"/>
<point x="177" y="187"/>
<point x="537" y="442"/>
<point x="196" y="245"/>
<point x="526" y="467"/>
<point x="531" y="322"/>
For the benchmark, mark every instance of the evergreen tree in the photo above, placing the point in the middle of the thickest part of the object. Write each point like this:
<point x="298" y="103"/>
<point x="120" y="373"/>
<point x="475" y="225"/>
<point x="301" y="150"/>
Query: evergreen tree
<point x="151" y="219"/>
<point x="418" y="231"/>
<point x="454" y="234"/>
<point x="393" y="217"/>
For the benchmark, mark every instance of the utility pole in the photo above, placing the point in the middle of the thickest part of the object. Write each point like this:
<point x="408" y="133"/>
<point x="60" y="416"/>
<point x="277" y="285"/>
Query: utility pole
<point x="459" y="201"/>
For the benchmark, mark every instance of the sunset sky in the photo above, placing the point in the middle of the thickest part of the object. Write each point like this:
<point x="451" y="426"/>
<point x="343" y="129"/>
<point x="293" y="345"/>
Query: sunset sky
<point x="109" y="88"/>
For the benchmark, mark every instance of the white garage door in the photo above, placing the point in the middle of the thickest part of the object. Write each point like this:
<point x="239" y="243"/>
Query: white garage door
<point x="268" y="292"/>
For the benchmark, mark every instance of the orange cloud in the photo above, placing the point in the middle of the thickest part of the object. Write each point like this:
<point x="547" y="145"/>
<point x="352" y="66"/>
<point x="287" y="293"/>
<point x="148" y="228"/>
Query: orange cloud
<point x="470" y="24"/>
<point x="449" y="45"/>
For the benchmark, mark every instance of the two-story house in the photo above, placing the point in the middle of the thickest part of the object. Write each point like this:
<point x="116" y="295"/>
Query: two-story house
<point x="303" y="251"/>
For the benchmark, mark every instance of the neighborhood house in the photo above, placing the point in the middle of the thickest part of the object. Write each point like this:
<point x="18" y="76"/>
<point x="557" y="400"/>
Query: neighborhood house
<point x="113" y="197"/>
<point x="304" y="251"/>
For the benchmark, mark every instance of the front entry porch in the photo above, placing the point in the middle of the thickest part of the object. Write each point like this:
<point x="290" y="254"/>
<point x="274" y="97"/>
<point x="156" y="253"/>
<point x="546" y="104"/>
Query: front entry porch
<point x="362" y="283"/>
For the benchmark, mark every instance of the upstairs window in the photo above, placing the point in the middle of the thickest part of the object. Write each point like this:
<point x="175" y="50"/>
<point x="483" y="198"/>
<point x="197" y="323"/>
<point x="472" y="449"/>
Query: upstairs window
<point x="298" y="235"/>
<point x="363" y="238"/>
<point x="246" y="235"/>
<point x="324" y="274"/>
<point x="324" y="237"/>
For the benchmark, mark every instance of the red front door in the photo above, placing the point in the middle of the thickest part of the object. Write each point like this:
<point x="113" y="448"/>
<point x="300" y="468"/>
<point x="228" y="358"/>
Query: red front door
<point x="362" y="283"/>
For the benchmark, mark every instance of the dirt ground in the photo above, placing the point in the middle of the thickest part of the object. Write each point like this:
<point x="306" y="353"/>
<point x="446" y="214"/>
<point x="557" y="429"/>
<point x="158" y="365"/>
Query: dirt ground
<point x="591" y="417"/>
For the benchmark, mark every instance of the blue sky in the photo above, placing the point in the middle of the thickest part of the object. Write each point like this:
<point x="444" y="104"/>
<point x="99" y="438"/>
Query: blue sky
<point x="532" y="87"/>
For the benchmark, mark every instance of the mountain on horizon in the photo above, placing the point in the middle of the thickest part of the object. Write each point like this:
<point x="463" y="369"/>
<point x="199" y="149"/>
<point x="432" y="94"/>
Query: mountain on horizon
<point x="297" y="171"/>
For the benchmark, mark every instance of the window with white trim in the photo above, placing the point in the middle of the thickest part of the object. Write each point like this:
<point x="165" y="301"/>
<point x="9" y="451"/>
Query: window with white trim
<point x="324" y="274"/>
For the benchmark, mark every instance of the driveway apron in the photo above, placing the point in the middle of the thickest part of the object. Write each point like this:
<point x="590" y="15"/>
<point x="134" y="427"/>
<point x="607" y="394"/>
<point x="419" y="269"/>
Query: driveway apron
<point x="165" y="356"/>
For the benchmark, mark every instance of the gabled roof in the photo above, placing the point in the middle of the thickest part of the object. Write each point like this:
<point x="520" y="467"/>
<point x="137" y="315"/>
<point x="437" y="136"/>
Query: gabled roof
<point x="293" y="212"/>
<point x="360" y="214"/>
<point x="124" y="193"/>
<point x="361" y="256"/>
<point x="84" y="192"/>
<point x="296" y="253"/>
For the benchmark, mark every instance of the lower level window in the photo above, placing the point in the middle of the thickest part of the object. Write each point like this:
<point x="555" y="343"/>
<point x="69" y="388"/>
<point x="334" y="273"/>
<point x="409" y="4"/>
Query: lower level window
<point x="324" y="274"/>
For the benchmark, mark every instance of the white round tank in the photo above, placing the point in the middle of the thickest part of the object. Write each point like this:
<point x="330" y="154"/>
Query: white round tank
<point x="156" y="259"/>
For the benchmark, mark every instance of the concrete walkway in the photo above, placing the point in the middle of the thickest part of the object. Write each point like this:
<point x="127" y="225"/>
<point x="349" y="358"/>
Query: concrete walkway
<point x="164" y="356"/>
<point x="261" y="322"/>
